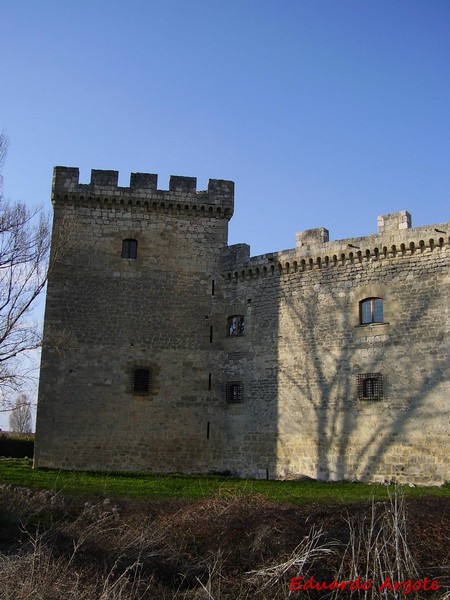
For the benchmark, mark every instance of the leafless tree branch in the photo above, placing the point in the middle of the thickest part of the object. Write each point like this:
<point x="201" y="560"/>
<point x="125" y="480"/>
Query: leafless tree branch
<point x="24" y="257"/>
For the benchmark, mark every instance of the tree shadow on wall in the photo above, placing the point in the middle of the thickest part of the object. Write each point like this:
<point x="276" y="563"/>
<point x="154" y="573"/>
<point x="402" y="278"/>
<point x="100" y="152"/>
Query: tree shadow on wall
<point x="344" y="436"/>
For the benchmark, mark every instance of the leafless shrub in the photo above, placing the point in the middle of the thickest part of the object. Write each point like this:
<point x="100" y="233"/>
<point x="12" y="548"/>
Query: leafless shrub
<point x="378" y="549"/>
<point x="311" y="548"/>
<point x="92" y="556"/>
<point x="34" y="573"/>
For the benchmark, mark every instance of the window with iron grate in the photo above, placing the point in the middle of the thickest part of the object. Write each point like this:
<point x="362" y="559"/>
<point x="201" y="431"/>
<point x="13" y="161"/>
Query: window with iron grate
<point x="235" y="392"/>
<point x="370" y="386"/>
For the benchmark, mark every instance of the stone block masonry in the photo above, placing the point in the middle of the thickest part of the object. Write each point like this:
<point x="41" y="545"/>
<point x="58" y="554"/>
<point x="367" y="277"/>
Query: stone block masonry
<point x="167" y="350"/>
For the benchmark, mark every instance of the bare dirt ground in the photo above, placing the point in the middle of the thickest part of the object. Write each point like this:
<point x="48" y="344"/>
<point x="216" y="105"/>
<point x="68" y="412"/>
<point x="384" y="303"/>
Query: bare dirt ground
<point x="223" y="547"/>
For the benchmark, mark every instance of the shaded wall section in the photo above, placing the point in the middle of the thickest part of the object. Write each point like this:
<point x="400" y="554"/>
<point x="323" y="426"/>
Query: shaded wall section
<point x="252" y="358"/>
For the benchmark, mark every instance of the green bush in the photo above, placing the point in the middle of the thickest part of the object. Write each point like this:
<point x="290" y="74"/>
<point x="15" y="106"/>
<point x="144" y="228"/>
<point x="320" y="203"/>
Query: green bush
<point x="16" y="445"/>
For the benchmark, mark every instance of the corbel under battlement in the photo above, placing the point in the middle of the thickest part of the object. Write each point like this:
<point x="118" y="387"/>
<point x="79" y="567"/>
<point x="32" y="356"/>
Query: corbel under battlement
<point x="143" y="191"/>
<point x="314" y="251"/>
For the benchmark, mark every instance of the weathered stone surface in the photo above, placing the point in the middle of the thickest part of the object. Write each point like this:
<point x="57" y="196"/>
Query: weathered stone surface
<point x="299" y="360"/>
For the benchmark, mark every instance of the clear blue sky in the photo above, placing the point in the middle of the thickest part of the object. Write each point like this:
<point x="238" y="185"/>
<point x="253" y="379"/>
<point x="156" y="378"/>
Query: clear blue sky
<point x="324" y="112"/>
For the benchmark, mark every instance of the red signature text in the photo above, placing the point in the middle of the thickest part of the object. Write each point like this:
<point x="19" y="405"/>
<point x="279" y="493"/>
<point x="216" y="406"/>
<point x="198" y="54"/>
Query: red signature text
<point x="299" y="584"/>
<point x="405" y="587"/>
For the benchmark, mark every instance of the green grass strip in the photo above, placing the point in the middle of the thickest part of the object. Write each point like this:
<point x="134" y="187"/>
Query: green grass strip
<point x="19" y="472"/>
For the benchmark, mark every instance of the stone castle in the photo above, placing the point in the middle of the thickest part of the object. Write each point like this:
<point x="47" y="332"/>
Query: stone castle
<point x="167" y="350"/>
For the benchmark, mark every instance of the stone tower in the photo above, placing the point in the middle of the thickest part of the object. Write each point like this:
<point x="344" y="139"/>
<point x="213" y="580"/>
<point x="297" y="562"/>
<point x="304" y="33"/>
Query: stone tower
<point x="130" y="370"/>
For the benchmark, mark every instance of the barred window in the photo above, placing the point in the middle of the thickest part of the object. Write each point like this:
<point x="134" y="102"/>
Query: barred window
<point x="370" y="386"/>
<point x="236" y="325"/>
<point x="371" y="311"/>
<point x="129" y="248"/>
<point x="235" y="392"/>
<point x="141" y="381"/>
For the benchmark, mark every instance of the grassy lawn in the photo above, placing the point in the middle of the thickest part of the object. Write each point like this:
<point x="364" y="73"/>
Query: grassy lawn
<point x="19" y="472"/>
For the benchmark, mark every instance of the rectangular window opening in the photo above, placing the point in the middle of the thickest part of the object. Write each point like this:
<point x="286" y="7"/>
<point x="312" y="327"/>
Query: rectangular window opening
<point x="235" y="392"/>
<point x="370" y="386"/>
<point x="141" y="381"/>
<point x="129" y="248"/>
<point x="236" y="325"/>
<point x="371" y="311"/>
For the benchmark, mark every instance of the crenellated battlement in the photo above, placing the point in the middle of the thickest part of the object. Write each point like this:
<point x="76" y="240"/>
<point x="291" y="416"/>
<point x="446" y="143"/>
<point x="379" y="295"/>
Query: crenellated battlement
<point x="143" y="191"/>
<point x="314" y="251"/>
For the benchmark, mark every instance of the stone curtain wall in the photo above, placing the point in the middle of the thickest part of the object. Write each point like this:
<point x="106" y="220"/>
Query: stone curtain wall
<point x="308" y="300"/>
<point x="258" y="363"/>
